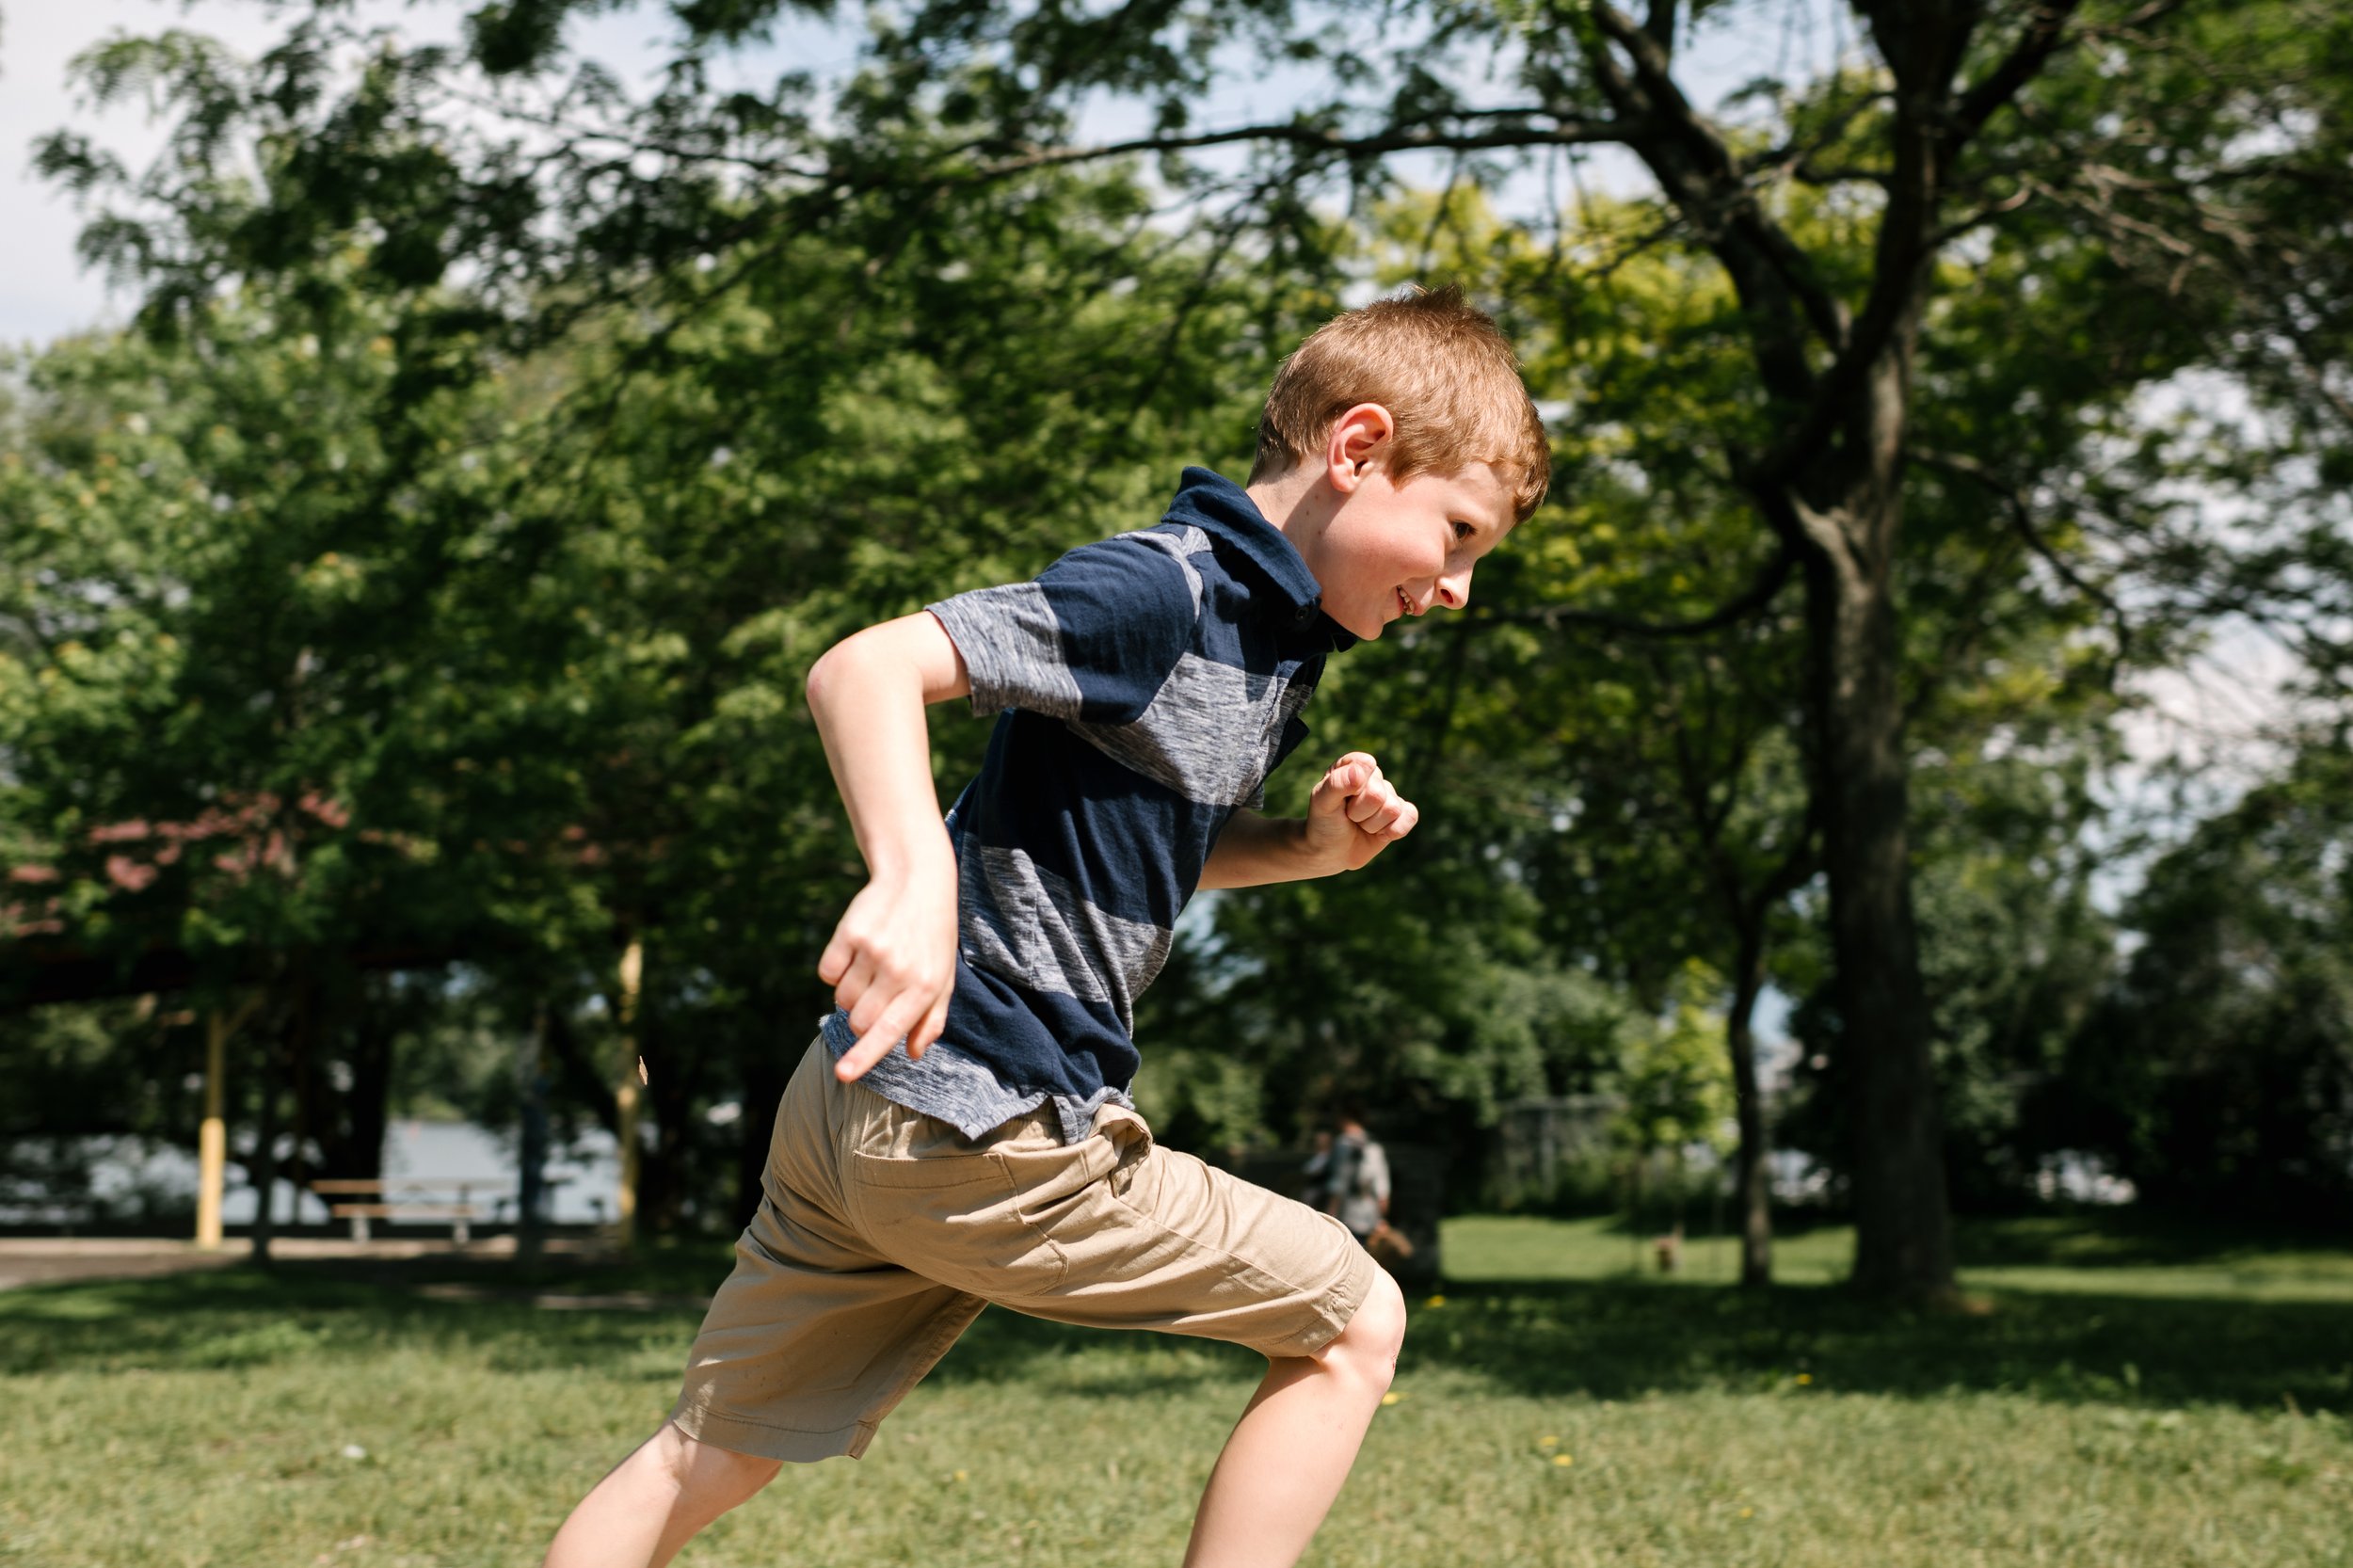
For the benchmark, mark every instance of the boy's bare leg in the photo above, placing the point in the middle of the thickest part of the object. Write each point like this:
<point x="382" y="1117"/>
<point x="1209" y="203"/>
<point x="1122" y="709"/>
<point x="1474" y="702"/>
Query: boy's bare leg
<point x="655" y="1501"/>
<point x="1292" y="1447"/>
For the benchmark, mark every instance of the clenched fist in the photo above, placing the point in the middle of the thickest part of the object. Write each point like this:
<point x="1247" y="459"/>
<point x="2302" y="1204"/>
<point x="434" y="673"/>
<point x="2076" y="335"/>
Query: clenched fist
<point x="1355" y="813"/>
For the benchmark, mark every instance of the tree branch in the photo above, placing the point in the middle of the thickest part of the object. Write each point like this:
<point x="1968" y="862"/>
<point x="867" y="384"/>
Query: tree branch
<point x="1564" y="133"/>
<point x="1659" y="24"/>
<point x="1701" y="176"/>
<point x="1756" y="597"/>
<point x="2022" y="520"/>
<point x="2045" y="35"/>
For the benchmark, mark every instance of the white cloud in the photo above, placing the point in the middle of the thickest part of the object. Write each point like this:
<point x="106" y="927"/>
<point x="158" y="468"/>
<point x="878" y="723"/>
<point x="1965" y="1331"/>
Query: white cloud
<point x="45" y="292"/>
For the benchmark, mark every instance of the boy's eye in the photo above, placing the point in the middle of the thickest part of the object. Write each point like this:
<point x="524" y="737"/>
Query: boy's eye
<point x="1462" y="531"/>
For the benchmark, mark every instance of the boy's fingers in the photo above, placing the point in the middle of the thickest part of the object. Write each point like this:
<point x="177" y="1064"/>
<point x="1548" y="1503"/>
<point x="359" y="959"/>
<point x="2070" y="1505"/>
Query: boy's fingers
<point x="1347" y="776"/>
<point x="891" y="1024"/>
<point x="854" y="982"/>
<point x="930" y="1029"/>
<point x="852" y="1064"/>
<point x="888" y="996"/>
<point x="834" y="961"/>
<point x="1376" y="796"/>
<point x="874" y="1040"/>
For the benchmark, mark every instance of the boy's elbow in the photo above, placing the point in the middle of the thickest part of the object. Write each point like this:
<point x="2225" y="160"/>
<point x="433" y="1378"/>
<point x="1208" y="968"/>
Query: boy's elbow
<point x="826" y="674"/>
<point x="815" y="687"/>
<point x="911" y="655"/>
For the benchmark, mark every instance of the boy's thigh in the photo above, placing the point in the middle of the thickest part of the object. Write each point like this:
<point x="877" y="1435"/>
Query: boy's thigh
<point x="1118" y="1232"/>
<point x="815" y="1335"/>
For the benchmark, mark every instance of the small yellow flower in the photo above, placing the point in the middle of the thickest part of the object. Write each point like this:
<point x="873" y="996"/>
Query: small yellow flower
<point x="964" y="1475"/>
<point x="1548" y="1441"/>
<point x="1748" y="1514"/>
<point x="1392" y="1398"/>
<point x="1564" y="1461"/>
<point x="1804" y="1378"/>
<point x="1435" y="1300"/>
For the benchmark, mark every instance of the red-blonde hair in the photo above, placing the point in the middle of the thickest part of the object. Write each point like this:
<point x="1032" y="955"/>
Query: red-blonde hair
<point x="1444" y="371"/>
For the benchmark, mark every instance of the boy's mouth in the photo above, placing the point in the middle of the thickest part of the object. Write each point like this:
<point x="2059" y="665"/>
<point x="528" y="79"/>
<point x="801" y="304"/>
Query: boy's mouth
<point x="1405" y="605"/>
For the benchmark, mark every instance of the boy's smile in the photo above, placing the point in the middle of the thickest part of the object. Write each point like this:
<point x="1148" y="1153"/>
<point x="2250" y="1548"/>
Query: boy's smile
<point x="1391" y="550"/>
<point x="1380" y="549"/>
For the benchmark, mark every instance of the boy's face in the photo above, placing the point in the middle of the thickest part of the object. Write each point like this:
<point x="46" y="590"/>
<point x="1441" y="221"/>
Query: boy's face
<point x="1394" y="550"/>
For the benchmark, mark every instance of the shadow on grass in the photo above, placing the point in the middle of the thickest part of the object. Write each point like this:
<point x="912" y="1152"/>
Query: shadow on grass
<point x="1616" y="1340"/>
<point x="2129" y="1237"/>
<point x="244" y="1317"/>
<point x="1605" y="1338"/>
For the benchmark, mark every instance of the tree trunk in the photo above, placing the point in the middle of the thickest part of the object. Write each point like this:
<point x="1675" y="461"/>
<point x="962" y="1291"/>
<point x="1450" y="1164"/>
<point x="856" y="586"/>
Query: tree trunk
<point x="1903" y="1233"/>
<point x="531" y="1199"/>
<point x="629" y="976"/>
<point x="302" y="1080"/>
<point x="1754" y="1180"/>
<point x="264" y="1167"/>
<point x="662" y="1181"/>
<point x="764" y="1078"/>
<point x="374" y="1035"/>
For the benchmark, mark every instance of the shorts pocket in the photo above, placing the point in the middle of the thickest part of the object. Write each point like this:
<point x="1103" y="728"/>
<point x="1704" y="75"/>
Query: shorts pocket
<point x="927" y="1171"/>
<point x="954" y="1217"/>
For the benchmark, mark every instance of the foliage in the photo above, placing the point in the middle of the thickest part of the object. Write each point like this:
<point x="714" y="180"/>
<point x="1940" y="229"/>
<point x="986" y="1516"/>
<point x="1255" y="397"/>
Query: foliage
<point x="2217" y="1072"/>
<point x="545" y="696"/>
<point x="504" y="445"/>
<point x="1674" y="1084"/>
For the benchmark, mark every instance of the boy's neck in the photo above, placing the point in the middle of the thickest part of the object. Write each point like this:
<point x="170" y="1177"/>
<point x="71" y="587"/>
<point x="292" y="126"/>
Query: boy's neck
<point x="1298" y="503"/>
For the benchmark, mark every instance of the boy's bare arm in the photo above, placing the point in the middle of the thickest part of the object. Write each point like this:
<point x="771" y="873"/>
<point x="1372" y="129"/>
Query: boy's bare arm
<point x="893" y="960"/>
<point x="1354" y="815"/>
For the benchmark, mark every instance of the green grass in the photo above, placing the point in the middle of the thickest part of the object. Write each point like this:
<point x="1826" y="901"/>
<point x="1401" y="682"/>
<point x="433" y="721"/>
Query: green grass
<point x="2100" y="1253"/>
<point x="2121" y="1395"/>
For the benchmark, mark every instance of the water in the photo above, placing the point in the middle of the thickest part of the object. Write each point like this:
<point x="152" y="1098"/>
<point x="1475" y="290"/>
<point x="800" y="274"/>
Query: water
<point x="131" y="1176"/>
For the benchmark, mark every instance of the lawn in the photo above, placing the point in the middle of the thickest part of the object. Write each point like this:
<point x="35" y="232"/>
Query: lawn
<point x="2118" y="1394"/>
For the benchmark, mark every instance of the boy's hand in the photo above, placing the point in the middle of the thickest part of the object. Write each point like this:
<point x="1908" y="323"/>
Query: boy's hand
<point x="1355" y="813"/>
<point x="892" y="965"/>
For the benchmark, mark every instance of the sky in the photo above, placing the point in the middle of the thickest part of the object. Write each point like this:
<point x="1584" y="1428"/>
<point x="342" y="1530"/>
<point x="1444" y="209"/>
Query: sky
<point x="44" y="290"/>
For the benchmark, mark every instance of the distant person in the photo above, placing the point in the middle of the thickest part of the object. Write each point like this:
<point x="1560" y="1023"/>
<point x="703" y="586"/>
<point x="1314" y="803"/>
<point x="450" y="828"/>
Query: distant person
<point x="1356" y="1180"/>
<point x="1313" y="1185"/>
<point x="961" y="1131"/>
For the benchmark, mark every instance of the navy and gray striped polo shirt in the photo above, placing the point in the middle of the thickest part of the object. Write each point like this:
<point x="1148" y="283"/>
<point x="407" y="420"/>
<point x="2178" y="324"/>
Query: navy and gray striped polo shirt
<point x="1145" y="686"/>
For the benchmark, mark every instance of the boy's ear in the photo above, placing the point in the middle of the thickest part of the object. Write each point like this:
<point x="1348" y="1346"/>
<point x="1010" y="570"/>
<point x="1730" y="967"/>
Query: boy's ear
<point x="1360" y="438"/>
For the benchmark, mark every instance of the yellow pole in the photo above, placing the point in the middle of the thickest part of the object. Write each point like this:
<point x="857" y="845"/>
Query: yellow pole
<point x="625" y="1092"/>
<point x="212" y="1141"/>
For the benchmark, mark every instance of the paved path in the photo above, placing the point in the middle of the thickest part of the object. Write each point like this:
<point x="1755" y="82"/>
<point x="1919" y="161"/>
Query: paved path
<point x="39" y="1261"/>
<point x="30" y="1260"/>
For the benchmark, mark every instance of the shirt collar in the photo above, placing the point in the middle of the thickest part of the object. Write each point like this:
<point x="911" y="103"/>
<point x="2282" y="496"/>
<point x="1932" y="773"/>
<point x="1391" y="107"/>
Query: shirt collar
<point x="1222" y="510"/>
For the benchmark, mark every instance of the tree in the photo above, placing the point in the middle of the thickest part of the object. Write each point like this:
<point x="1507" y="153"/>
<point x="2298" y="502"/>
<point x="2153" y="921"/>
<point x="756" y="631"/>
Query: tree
<point x="2217" y="1071"/>
<point x="1842" y="214"/>
<point x="577" y="591"/>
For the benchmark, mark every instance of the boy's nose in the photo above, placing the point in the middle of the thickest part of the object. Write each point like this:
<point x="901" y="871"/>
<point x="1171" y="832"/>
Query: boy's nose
<point x="1454" y="589"/>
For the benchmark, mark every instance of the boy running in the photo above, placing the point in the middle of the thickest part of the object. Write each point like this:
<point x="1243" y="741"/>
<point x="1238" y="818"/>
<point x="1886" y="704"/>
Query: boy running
<point x="960" y="1132"/>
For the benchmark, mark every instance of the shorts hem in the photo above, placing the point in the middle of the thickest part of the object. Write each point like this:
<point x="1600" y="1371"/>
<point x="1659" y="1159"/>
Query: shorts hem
<point x="1337" y="1309"/>
<point x="743" y="1435"/>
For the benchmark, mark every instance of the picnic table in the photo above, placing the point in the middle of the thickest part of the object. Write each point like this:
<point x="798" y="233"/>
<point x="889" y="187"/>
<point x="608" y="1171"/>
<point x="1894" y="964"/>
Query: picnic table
<point x="387" y="1198"/>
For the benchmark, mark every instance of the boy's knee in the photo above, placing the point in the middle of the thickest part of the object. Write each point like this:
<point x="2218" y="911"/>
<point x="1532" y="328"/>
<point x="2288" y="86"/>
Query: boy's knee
<point x="1367" y="1348"/>
<point x="708" y="1472"/>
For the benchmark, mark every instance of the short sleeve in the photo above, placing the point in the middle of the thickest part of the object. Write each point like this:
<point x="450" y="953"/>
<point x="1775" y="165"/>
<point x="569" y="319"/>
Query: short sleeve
<point x="1092" y="638"/>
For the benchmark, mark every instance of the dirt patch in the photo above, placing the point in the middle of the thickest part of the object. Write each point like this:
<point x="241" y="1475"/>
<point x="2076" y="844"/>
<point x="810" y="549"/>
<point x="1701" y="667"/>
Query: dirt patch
<point x="42" y="1262"/>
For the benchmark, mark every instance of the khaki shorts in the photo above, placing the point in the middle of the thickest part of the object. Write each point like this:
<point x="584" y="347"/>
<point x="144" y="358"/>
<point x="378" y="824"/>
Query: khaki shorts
<point x="883" y="1232"/>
